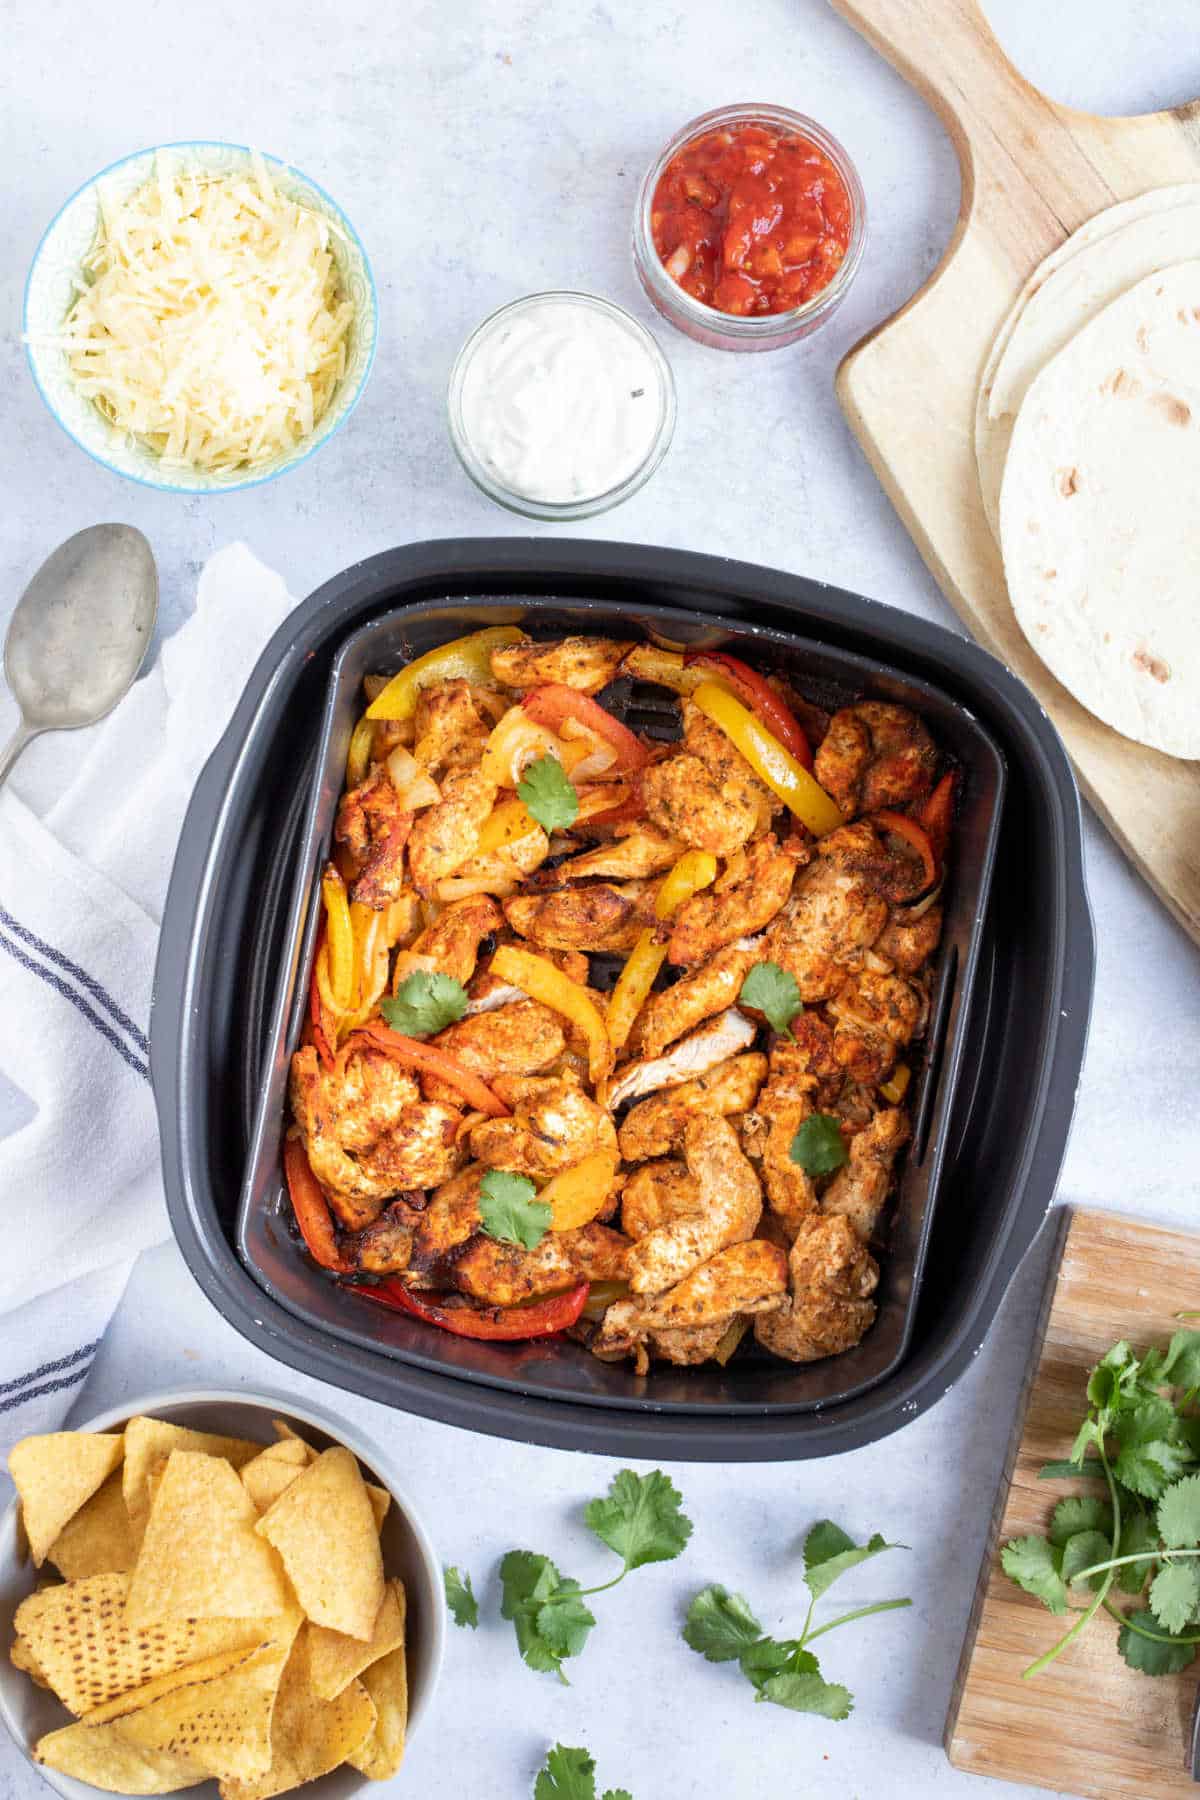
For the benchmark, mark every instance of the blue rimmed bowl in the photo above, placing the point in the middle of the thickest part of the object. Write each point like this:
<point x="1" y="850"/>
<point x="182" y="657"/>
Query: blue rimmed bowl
<point x="51" y="288"/>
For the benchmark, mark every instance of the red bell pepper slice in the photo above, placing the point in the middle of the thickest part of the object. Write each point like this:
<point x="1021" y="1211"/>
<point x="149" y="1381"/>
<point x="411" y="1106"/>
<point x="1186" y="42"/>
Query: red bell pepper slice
<point x="429" y="1060"/>
<point x="496" y="1324"/>
<point x="937" y="815"/>
<point x="756" y="692"/>
<point x="555" y="703"/>
<point x="312" y="1209"/>
<point x="913" y="834"/>
<point x="626" y="812"/>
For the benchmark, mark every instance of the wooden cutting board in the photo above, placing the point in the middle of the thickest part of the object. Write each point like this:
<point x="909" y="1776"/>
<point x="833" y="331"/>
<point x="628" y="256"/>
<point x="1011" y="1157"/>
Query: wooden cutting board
<point x="1087" y="1724"/>
<point x="1032" y="171"/>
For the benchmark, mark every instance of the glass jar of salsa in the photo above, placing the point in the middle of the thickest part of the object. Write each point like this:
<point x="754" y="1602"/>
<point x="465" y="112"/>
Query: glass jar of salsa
<point x="749" y="227"/>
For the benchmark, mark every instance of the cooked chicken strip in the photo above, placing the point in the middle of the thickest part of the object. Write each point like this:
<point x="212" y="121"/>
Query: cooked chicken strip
<point x="860" y="1187"/>
<point x="875" y="755"/>
<point x="885" y="865"/>
<point x="723" y="1037"/>
<point x="504" y="1274"/>
<point x="730" y="910"/>
<point x="385" y="1248"/>
<point x="643" y="852"/>
<point x="451" y="726"/>
<point x="445" y="835"/>
<point x="448" y="1221"/>
<point x="656" y="1126"/>
<point x="488" y="993"/>
<point x="821" y="934"/>
<point x="521" y="1039"/>
<point x="710" y="989"/>
<point x="597" y="917"/>
<point x="732" y="1202"/>
<point x="706" y="793"/>
<point x="687" y="1347"/>
<point x="907" y="942"/>
<point x="832" y="1277"/>
<point x="749" y="1277"/>
<point x="784" y="1103"/>
<point x="451" y="944"/>
<point x="374" y="827"/>
<point x="584" y="663"/>
<point x="656" y="1194"/>
<point x="554" y="1124"/>
<point x="874" y="1016"/>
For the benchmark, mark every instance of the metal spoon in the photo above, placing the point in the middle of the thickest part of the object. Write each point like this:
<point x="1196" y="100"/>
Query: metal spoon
<point x="80" y="633"/>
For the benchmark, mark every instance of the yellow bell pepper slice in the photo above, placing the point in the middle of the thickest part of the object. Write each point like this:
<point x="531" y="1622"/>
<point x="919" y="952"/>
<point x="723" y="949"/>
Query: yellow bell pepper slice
<point x="339" y="936"/>
<point x="666" y="668"/>
<point x="467" y="658"/>
<point x="358" y="757"/>
<point x="730" y="1338"/>
<point x="694" y="870"/>
<point x="506" y="824"/>
<point x="538" y="978"/>
<point x="896" y="1086"/>
<point x="774" y="765"/>
<point x="577" y="1194"/>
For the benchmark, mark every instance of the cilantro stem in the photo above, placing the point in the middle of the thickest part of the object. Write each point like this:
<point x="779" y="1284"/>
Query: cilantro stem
<point x="1043" y="1662"/>
<point x="584" y="1593"/>
<point x="1118" y="1562"/>
<point x="1141" y="1631"/>
<point x="846" y="1618"/>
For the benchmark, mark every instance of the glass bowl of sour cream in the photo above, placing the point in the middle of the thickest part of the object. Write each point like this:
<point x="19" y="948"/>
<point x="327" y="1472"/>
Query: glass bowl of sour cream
<point x="560" y="405"/>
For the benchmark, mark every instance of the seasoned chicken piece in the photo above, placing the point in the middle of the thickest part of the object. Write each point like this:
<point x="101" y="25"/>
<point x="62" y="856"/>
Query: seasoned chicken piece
<point x="822" y="932"/>
<point x="368" y="1133"/>
<point x="874" y="1016"/>
<point x="553" y="1125"/>
<point x="687" y="1346"/>
<point x="860" y="1187"/>
<point x="597" y="917"/>
<point x="710" y="989"/>
<point x="643" y="852"/>
<point x="706" y="793"/>
<point x="488" y="992"/>
<point x="450" y="1218"/>
<point x="832" y="1276"/>
<point x="505" y="1274"/>
<point x="656" y="1126"/>
<point x="445" y="835"/>
<point x="451" y="726"/>
<point x="584" y="663"/>
<point x="887" y="866"/>
<point x="523" y="1038"/>
<point x="906" y="942"/>
<point x="656" y="1194"/>
<point x="723" y="1037"/>
<point x="784" y="1104"/>
<point x="875" y="755"/>
<point x="450" y="946"/>
<point x="734" y="908"/>
<point x="385" y="1248"/>
<point x="746" y="1278"/>
<point x="374" y="827"/>
<point x="732" y="1207"/>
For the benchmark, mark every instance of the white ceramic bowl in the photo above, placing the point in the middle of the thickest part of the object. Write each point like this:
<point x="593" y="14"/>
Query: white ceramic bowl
<point x="30" y="1711"/>
<point x="50" y="290"/>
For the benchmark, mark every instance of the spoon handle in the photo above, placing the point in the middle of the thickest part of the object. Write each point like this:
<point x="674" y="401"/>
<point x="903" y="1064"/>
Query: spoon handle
<point x="21" y="736"/>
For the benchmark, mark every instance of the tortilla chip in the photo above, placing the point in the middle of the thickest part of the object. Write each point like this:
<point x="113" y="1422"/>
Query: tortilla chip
<point x="222" y="1724"/>
<point x="323" y="1527"/>
<point x="380" y="1498"/>
<point x="380" y="1501"/>
<point x="265" y="1477"/>
<point x="101" y="1757"/>
<point x="149" y="1440"/>
<point x="22" y="1657"/>
<point x="386" y="1681"/>
<point x="284" y="1432"/>
<point x="98" y="1540"/>
<point x="77" y="1635"/>
<point x="57" y="1474"/>
<point x="200" y="1558"/>
<point x="334" y="1659"/>
<point x="308" y="1736"/>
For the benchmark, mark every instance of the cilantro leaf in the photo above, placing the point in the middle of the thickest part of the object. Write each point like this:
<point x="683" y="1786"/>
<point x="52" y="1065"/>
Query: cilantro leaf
<point x="818" y="1146"/>
<point x="527" y="1583"/>
<point x="568" y="1775"/>
<point x="1036" y="1566"/>
<point x="1113" y="1377"/>
<point x="425" y="1002"/>
<point x="1080" y="1512"/>
<point x="1138" y="1534"/>
<point x="829" y="1552"/>
<point x="564" y="1621"/>
<point x="1175" y="1594"/>
<point x="762" y="1661"/>
<point x="720" y="1625"/>
<point x="460" y="1598"/>
<point x="1083" y="1551"/>
<point x="548" y="795"/>
<point x="640" y="1518"/>
<point x="809" y="1694"/>
<point x="1150" y="1650"/>
<point x="1148" y="1461"/>
<point x="771" y="991"/>
<point x="509" y="1210"/>
<point x="616" y="1794"/>
<point x="1179" y="1514"/>
<point x="1181" y="1364"/>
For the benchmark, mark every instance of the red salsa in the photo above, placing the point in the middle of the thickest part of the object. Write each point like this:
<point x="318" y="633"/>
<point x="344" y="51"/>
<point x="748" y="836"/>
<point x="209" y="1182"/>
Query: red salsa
<point x="751" y="220"/>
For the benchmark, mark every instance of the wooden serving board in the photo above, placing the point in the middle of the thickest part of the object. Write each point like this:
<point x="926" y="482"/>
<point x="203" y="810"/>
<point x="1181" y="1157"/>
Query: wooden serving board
<point x="1032" y="171"/>
<point x="1088" y="1724"/>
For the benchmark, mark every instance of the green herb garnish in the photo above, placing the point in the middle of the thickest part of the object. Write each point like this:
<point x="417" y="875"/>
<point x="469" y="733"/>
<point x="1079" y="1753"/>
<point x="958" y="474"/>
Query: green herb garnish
<point x="818" y="1146"/>
<point x="460" y="1597"/>
<point x="425" y="1002"/>
<point x="510" y="1211"/>
<point x="548" y="795"/>
<point x="571" y="1775"/>
<point x="771" y="991"/>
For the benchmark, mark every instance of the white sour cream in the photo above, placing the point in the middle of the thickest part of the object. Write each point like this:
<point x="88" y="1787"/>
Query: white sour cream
<point x="562" y="399"/>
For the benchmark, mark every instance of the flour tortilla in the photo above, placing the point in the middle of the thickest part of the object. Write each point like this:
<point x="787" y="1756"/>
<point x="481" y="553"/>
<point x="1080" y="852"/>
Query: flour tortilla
<point x="1106" y="256"/>
<point x="1098" y="518"/>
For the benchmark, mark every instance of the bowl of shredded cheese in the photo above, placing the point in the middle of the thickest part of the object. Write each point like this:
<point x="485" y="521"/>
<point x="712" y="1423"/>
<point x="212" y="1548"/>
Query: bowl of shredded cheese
<point x="200" y="317"/>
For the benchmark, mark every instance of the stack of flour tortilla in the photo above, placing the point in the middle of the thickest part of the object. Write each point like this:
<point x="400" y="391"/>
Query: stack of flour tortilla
<point x="1087" y="437"/>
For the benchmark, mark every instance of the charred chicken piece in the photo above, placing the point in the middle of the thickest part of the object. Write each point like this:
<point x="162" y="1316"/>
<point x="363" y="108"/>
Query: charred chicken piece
<point x="706" y="793"/>
<point x="658" y="1193"/>
<point x="453" y="719"/>
<point x="444" y="836"/>
<point x="656" y="1126"/>
<point x="908" y="943"/>
<point x="698" y="995"/>
<point x="584" y="663"/>
<point x="598" y="917"/>
<point x="832" y="1277"/>
<point x="731" y="1207"/>
<point x="875" y="755"/>
<point x="451" y="944"/>
<point x="505" y="1274"/>
<point x="639" y="853"/>
<point x="859" y="1189"/>
<point x="554" y="1124"/>
<point x="374" y="828"/>
<point x="686" y="1324"/>
<point x="725" y="1036"/>
<point x="874" y="1015"/>
<point x="741" y="902"/>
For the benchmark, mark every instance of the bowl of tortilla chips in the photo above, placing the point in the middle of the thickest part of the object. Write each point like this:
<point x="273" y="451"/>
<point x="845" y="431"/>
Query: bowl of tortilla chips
<point x="214" y="1586"/>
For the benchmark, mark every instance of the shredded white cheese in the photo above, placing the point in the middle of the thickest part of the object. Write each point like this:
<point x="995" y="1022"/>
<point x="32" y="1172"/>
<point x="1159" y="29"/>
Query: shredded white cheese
<point x="210" y="323"/>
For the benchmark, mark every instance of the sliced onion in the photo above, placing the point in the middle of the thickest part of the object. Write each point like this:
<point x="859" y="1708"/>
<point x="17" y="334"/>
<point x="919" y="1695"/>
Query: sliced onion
<point x="595" y="764"/>
<point x="414" y="786"/>
<point x="465" y="887"/>
<point x="922" y="906"/>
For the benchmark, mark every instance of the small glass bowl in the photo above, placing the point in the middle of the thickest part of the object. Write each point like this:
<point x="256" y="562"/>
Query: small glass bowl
<point x="762" y="331"/>
<point x="585" y="506"/>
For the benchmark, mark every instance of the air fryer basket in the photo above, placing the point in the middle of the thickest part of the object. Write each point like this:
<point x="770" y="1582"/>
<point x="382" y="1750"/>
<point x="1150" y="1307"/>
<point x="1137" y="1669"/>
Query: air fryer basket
<point x="232" y="923"/>
<point x="558" y="1369"/>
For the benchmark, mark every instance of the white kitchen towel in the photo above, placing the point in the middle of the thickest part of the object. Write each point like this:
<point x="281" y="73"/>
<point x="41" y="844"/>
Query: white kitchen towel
<point x="88" y="829"/>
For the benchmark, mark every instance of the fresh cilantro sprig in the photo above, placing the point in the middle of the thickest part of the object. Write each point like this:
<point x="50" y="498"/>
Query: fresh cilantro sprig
<point x="425" y="1002"/>
<point x="571" y="1775"/>
<point x="771" y="991"/>
<point x="548" y="795"/>
<point x="1141" y="1437"/>
<point x="722" y="1627"/>
<point x="818" y="1145"/>
<point x="510" y="1211"/>
<point x="460" y="1597"/>
<point x="640" y="1519"/>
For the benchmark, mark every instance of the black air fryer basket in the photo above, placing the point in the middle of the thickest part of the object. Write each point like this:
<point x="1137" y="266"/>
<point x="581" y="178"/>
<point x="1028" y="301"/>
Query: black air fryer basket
<point x="995" y="1089"/>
